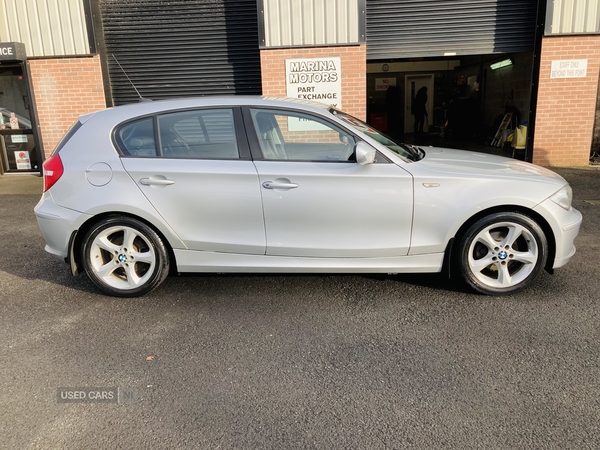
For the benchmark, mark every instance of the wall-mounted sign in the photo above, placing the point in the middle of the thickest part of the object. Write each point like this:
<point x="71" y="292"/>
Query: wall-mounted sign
<point x="19" y="139"/>
<point x="382" y="84"/>
<point x="317" y="79"/>
<point x="22" y="160"/>
<point x="12" y="51"/>
<point x="569" y="68"/>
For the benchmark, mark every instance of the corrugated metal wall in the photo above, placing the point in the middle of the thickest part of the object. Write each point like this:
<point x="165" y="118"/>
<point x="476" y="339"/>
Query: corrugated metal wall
<point x="46" y="27"/>
<point x="310" y="22"/>
<point x="573" y="17"/>
<point x="177" y="48"/>
<point x="416" y="28"/>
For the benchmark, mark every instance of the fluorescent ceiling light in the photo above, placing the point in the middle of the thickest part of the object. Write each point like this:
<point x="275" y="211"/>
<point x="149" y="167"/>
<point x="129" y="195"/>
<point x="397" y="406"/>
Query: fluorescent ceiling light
<point x="503" y="63"/>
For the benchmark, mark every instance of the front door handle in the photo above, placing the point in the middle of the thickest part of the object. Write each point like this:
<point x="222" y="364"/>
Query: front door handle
<point x="279" y="185"/>
<point x="156" y="182"/>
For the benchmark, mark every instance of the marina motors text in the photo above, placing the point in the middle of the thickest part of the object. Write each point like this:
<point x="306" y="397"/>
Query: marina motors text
<point x="313" y="72"/>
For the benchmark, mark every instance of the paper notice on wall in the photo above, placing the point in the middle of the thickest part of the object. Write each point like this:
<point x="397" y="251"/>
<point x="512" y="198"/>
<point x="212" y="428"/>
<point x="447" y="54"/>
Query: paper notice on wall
<point x="19" y="139"/>
<point x="14" y="122"/>
<point x="22" y="160"/>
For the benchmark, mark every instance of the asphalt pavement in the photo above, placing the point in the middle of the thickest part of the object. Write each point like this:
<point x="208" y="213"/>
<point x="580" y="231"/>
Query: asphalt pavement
<point x="285" y="362"/>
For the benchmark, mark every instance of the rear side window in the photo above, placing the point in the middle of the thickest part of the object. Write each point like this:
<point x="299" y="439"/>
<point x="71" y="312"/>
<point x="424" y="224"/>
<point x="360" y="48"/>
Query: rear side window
<point x="137" y="138"/>
<point x="197" y="134"/>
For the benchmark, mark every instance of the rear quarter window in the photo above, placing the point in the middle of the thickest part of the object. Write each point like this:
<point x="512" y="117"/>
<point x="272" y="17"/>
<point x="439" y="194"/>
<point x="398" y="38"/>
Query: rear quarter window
<point x="137" y="138"/>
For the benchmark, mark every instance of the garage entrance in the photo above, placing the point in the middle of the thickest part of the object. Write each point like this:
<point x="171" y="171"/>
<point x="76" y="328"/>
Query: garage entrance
<point x="479" y="56"/>
<point x="19" y="140"/>
<point x="179" y="48"/>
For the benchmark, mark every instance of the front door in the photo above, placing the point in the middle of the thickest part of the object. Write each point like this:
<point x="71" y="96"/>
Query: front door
<point x="317" y="201"/>
<point x="17" y="146"/>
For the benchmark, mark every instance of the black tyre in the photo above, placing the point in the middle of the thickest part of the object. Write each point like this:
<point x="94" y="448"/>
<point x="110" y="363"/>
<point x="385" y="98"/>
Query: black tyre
<point x="124" y="257"/>
<point x="502" y="253"/>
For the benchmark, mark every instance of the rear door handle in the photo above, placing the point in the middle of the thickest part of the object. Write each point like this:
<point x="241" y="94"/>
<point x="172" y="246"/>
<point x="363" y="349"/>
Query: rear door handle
<point x="279" y="185"/>
<point x="156" y="182"/>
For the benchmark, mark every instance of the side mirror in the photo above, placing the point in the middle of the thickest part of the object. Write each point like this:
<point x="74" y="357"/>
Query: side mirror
<point x="365" y="154"/>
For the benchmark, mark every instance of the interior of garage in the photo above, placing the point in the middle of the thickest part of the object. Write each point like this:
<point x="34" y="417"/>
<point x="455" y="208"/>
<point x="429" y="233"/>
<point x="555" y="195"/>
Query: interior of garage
<point x="476" y="58"/>
<point x="468" y="101"/>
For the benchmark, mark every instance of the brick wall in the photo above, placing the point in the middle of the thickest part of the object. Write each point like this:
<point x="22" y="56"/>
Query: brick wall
<point x="566" y="107"/>
<point x="354" y="69"/>
<point x="65" y="88"/>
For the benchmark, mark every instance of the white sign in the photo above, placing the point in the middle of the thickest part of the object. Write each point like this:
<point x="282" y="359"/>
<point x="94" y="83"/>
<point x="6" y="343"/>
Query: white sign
<point x="569" y="68"/>
<point x="19" y="139"/>
<point x="22" y="160"/>
<point x="382" y="84"/>
<point x="317" y="79"/>
<point x="14" y="122"/>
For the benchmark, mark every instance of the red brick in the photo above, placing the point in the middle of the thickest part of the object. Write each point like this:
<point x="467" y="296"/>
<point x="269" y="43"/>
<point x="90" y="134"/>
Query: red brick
<point x="71" y="85"/>
<point x="566" y="107"/>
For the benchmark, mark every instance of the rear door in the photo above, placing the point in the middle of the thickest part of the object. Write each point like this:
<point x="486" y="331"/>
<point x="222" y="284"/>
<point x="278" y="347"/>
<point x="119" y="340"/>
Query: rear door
<point x="194" y="166"/>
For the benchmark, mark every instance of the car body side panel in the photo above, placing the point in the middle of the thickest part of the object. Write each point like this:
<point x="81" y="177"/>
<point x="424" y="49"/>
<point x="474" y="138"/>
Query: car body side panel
<point x="442" y="206"/>
<point x="338" y="209"/>
<point x="213" y="205"/>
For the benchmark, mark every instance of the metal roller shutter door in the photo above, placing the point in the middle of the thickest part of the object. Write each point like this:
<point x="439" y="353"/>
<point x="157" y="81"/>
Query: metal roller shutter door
<point x="177" y="48"/>
<point x="433" y="28"/>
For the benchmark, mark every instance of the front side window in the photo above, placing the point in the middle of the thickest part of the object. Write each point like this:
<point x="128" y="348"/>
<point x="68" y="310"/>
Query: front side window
<point x="286" y="135"/>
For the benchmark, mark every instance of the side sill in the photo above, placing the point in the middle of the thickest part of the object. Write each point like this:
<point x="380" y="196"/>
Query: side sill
<point x="190" y="261"/>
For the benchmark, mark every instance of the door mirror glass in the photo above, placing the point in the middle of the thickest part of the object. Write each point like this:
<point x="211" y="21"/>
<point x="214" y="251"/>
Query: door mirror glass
<point x="365" y="154"/>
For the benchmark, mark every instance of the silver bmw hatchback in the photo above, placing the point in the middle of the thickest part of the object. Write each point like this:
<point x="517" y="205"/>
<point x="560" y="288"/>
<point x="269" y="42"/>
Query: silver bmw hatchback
<point x="255" y="184"/>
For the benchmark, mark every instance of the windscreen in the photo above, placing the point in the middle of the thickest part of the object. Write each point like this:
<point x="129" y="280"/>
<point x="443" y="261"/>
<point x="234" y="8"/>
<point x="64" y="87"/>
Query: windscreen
<point x="406" y="152"/>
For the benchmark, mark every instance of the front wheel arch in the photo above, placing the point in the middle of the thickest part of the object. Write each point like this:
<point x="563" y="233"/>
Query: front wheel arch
<point x="501" y="253"/>
<point x="539" y="219"/>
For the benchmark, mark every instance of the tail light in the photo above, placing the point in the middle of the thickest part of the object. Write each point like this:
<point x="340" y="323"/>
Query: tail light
<point x="53" y="170"/>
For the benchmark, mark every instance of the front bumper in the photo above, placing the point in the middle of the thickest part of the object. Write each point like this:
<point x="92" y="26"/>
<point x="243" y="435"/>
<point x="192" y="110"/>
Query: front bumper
<point x="565" y="226"/>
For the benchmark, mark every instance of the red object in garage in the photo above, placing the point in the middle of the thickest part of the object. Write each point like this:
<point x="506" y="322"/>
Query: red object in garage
<point x="379" y="120"/>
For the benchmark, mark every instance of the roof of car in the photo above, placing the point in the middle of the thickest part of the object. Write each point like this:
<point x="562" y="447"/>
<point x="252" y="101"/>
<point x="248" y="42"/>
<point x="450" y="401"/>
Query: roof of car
<point x="123" y="112"/>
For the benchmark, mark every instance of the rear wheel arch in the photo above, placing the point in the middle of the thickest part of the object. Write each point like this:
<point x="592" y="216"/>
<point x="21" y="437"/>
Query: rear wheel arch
<point x="77" y="242"/>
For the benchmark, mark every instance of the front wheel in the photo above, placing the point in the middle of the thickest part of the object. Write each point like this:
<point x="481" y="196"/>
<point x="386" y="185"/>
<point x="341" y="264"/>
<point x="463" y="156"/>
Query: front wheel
<point x="502" y="253"/>
<point x="124" y="257"/>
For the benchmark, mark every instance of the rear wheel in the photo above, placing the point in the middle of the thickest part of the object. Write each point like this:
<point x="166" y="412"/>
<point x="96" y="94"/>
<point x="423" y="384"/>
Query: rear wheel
<point x="502" y="253"/>
<point x="124" y="257"/>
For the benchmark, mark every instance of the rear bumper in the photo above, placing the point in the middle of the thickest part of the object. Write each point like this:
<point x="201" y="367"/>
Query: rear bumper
<point x="56" y="224"/>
